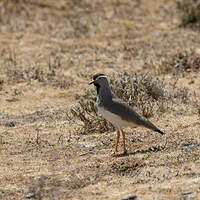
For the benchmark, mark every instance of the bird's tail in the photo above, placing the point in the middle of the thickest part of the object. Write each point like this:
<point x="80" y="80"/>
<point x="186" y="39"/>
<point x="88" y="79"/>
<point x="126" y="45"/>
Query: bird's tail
<point x="146" y="123"/>
<point x="159" y="131"/>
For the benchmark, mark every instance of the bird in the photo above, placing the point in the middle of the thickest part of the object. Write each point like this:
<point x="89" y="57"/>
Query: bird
<point x="116" y="111"/>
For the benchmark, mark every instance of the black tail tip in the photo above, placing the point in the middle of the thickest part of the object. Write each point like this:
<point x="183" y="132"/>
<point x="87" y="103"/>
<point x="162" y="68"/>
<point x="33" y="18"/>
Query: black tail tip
<point x="159" y="131"/>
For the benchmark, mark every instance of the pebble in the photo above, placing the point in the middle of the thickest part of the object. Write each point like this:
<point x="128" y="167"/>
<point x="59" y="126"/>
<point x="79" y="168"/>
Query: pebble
<point x="10" y="124"/>
<point x="30" y="195"/>
<point x="186" y="193"/>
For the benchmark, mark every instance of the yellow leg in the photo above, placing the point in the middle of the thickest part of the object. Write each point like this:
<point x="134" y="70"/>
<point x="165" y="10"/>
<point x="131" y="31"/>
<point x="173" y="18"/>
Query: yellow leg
<point x="124" y="142"/>
<point x="117" y="141"/>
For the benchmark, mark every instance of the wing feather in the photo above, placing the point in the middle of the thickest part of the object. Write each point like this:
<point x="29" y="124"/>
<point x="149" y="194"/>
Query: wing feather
<point x="118" y="107"/>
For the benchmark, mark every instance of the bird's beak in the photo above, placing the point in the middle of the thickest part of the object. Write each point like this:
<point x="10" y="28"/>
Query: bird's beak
<point x="91" y="82"/>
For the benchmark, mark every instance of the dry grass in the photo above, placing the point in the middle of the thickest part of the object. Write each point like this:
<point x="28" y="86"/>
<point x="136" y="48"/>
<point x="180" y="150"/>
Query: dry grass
<point x="49" y="50"/>
<point x="52" y="73"/>
<point x="179" y="63"/>
<point x="183" y="62"/>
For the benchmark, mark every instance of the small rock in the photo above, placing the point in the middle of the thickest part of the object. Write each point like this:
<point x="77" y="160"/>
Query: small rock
<point x="10" y="124"/>
<point x="186" y="193"/>
<point x="129" y="197"/>
<point x="12" y="99"/>
<point x="150" y="188"/>
<point x="30" y="195"/>
<point x="191" y="82"/>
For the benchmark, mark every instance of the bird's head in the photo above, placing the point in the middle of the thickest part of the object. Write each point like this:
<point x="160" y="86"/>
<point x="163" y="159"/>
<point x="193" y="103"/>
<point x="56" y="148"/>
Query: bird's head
<point x="99" y="80"/>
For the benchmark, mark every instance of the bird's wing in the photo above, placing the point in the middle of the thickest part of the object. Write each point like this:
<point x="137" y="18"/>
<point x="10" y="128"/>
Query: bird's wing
<point x="118" y="107"/>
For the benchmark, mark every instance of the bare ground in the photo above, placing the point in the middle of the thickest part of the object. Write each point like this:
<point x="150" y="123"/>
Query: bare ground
<point x="49" y="51"/>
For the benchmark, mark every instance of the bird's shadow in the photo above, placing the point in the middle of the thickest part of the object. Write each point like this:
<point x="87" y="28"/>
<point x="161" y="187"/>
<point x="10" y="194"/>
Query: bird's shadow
<point x="149" y="150"/>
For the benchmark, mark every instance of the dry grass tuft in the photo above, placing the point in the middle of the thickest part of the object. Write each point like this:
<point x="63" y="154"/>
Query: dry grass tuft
<point x="36" y="190"/>
<point x="52" y="73"/>
<point x="127" y="167"/>
<point x="179" y="63"/>
<point x="185" y="61"/>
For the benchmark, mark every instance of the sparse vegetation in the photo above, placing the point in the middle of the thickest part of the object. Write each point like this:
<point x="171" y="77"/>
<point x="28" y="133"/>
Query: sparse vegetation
<point x="179" y="63"/>
<point x="49" y="51"/>
<point x="50" y="74"/>
<point x="185" y="62"/>
<point x="190" y="12"/>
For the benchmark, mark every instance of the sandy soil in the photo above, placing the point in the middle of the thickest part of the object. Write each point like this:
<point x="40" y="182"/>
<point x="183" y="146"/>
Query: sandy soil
<point x="49" y="50"/>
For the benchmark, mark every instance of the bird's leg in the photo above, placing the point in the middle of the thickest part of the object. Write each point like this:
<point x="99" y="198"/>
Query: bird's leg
<point x="117" y="141"/>
<point x="124" y="142"/>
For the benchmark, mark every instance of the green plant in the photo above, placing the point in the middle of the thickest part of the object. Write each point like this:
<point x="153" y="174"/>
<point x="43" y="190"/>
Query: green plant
<point x="190" y="11"/>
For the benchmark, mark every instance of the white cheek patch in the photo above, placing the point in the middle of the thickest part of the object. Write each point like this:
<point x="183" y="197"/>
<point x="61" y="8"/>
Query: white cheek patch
<point x="102" y="76"/>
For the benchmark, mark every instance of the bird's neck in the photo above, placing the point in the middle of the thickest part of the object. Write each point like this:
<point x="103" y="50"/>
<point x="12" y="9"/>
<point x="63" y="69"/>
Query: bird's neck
<point x="104" y="94"/>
